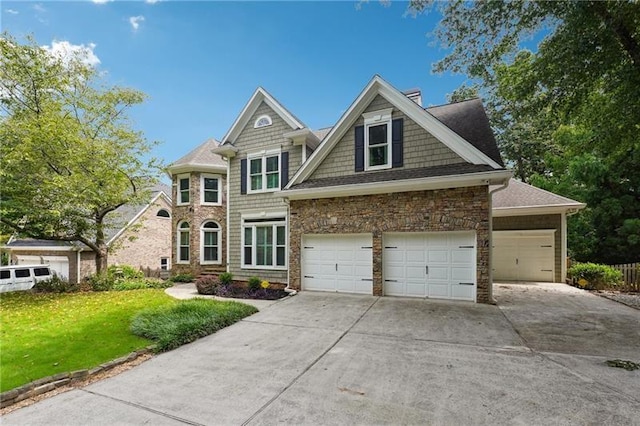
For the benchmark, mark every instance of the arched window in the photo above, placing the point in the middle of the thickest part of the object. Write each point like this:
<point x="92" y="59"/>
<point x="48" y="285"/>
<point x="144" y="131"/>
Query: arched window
<point x="262" y="121"/>
<point x="183" y="242"/>
<point x="210" y="242"/>
<point x="163" y="213"/>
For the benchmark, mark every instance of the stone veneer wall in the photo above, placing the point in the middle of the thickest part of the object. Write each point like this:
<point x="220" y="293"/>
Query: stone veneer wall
<point x="460" y="209"/>
<point x="541" y="221"/>
<point x="196" y="214"/>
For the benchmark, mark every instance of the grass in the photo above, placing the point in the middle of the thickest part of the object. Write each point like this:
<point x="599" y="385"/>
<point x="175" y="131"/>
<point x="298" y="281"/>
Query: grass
<point x="171" y="326"/>
<point x="45" y="334"/>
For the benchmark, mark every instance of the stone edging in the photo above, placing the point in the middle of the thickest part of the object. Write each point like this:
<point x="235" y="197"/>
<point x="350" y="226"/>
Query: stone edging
<point x="47" y="384"/>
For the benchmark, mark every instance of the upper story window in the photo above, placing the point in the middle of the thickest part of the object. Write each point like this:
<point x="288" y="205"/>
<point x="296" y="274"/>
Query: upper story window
<point x="262" y="121"/>
<point x="184" y="188"/>
<point x="377" y="139"/>
<point x="163" y="213"/>
<point x="210" y="190"/>
<point x="264" y="173"/>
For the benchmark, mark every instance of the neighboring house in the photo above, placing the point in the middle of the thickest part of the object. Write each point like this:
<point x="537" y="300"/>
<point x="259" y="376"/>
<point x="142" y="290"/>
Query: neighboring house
<point x="199" y="223"/>
<point x="394" y="199"/>
<point x="144" y="241"/>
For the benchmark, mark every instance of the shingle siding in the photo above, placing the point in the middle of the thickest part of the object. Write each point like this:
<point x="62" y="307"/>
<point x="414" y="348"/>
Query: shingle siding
<point x="420" y="148"/>
<point x="547" y="221"/>
<point x="253" y="140"/>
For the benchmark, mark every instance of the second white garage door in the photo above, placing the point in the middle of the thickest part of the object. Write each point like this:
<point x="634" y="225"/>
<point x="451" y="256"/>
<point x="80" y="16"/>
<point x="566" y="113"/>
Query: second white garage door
<point x="436" y="265"/>
<point x="523" y="255"/>
<point x="339" y="263"/>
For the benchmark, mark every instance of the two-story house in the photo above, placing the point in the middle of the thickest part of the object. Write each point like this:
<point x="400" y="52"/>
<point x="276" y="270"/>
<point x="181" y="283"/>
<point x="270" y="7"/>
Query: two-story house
<point x="394" y="199"/>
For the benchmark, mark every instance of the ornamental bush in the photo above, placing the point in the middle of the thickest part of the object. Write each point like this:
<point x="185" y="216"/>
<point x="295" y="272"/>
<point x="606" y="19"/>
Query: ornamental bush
<point x="226" y="278"/>
<point x="593" y="276"/>
<point x="55" y="284"/>
<point x="207" y="285"/>
<point x="253" y="283"/>
<point x="182" y="278"/>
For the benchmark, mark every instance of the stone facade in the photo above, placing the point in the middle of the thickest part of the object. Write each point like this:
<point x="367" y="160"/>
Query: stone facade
<point x="196" y="214"/>
<point x="460" y="209"/>
<point x="543" y="221"/>
<point x="143" y="245"/>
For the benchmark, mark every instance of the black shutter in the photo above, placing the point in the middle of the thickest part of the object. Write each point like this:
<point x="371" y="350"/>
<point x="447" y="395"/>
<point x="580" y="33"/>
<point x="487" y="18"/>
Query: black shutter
<point x="243" y="176"/>
<point x="396" y="142"/>
<point x="284" y="168"/>
<point x="359" y="148"/>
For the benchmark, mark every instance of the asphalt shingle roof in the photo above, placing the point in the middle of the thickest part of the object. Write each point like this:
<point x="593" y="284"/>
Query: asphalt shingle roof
<point x="469" y="120"/>
<point x="520" y="194"/>
<point x="202" y="155"/>
<point x="394" y="174"/>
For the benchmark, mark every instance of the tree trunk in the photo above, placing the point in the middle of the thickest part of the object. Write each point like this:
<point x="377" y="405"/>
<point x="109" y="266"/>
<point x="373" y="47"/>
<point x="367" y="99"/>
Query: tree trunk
<point x="101" y="259"/>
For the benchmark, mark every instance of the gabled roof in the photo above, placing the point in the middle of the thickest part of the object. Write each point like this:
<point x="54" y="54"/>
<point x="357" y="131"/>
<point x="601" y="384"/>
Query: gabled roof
<point x="469" y="120"/>
<point x="259" y="96"/>
<point x="377" y="86"/>
<point x="201" y="158"/>
<point x="520" y="198"/>
<point x="127" y="215"/>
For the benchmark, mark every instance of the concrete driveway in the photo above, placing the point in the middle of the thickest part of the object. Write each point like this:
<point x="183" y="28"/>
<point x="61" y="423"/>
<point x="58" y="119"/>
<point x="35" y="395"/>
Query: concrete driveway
<point x="339" y="359"/>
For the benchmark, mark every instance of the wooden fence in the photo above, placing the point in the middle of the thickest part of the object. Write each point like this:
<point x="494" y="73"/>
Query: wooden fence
<point x="155" y="273"/>
<point x="630" y="274"/>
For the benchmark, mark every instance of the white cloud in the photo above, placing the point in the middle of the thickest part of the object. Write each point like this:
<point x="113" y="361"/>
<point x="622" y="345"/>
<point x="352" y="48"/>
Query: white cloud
<point x="135" y="22"/>
<point x="11" y="11"/>
<point x="65" y="51"/>
<point x="151" y="1"/>
<point x="38" y="7"/>
<point x="101" y="1"/>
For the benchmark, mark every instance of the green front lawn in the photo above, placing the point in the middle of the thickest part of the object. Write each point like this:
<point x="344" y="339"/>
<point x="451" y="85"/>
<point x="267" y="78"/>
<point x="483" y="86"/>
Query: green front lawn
<point x="46" y="334"/>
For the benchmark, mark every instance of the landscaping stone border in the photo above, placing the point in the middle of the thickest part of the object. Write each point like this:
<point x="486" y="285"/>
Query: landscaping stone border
<point x="47" y="384"/>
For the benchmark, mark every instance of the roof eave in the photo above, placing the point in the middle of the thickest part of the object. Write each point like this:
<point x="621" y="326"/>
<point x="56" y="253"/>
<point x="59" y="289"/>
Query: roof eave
<point x="194" y="167"/>
<point x="538" y="210"/>
<point x="405" y="185"/>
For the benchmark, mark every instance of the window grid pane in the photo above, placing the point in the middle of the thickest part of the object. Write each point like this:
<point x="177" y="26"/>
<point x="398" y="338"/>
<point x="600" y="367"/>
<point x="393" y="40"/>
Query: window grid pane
<point x="378" y="155"/>
<point x="378" y="135"/>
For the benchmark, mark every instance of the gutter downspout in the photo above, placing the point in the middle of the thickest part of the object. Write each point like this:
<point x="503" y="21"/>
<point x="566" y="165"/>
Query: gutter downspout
<point x="491" y="192"/>
<point x="228" y="215"/>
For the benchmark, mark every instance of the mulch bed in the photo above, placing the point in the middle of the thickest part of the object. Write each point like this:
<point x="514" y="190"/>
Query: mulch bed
<point x="241" y="292"/>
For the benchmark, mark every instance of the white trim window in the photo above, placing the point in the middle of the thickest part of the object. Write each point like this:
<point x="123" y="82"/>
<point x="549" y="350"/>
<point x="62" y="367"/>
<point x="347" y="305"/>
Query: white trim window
<point x="264" y="243"/>
<point x="262" y="121"/>
<point x="210" y="243"/>
<point x="184" y="238"/>
<point x="164" y="264"/>
<point x="184" y="189"/>
<point x="377" y="139"/>
<point x="264" y="173"/>
<point x="210" y="190"/>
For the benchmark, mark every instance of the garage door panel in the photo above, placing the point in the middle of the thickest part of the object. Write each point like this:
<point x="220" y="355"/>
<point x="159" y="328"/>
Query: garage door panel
<point x="337" y="263"/>
<point x="404" y="265"/>
<point x="523" y="255"/>
<point x="461" y="292"/>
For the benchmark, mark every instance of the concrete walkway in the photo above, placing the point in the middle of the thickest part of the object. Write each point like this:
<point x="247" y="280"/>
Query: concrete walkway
<point x="341" y="359"/>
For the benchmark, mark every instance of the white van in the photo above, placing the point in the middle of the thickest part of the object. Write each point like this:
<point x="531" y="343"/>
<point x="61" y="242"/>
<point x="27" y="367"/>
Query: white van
<point x="22" y="277"/>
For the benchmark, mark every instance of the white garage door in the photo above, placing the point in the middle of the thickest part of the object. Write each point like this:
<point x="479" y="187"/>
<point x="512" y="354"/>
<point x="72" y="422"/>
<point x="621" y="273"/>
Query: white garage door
<point x="436" y="265"/>
<point x="339" y="263"/>
<point x="57" y="264"/>
<point x="523" y="255"/>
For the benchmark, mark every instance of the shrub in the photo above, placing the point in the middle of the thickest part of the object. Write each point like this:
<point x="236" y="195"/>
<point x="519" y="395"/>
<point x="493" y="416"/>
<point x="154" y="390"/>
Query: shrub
<point x="594" y="276"/>
<point x="124" y="272"/>
<point x="226" y="278"/>
<point x="174" y="325"/>
<point x="183" y="278"/>
<point x="139" y="284"/>
<point x="253" y="283"/>
<point x="100" y="282"/>
<point x="207" y="285"/>
<point x="55" y="285"/>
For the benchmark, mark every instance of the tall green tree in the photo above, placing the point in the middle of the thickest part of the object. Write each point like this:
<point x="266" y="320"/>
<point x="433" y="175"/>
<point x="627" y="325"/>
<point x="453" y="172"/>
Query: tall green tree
<point x="567" y="116"/>
<point x="69" y="156"/>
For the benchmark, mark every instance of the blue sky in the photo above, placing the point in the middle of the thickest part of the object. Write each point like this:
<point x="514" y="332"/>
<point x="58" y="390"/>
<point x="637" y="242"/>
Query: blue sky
<point x="199" y="62"/>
